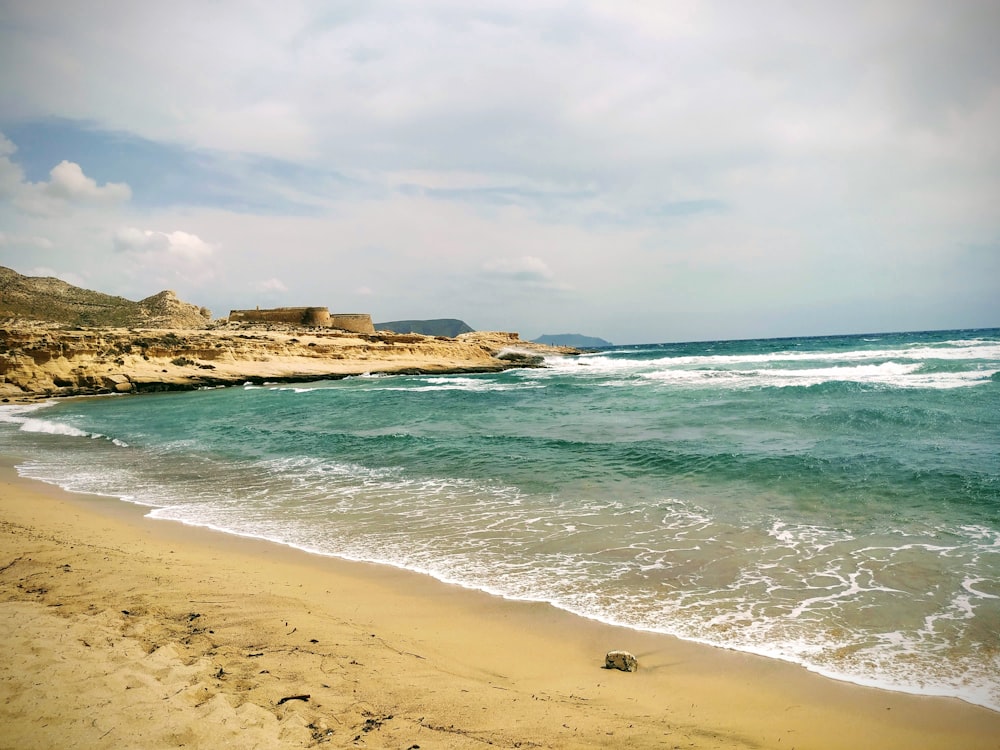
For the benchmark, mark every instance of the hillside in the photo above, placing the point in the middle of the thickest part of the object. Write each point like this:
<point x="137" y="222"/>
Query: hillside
<point x="450" y="327"/>
<point x="54" y="301"/>
<point x="575" y="340"/>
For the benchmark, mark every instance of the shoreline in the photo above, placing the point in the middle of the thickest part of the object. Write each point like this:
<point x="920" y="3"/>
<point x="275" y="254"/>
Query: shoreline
<point x="41" y="361"/>
<point x="146" y="511"/>
<point x="139" y="509"/>
<point x="388" y="657"/>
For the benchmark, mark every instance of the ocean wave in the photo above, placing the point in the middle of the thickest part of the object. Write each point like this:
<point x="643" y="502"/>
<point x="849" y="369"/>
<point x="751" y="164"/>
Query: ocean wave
<point x="457" y="383"/>
<point x="13" y="413"/>
<point x="49" y="427"/>
<point x="924" y="366"/>
<point x="54" y="428"/>
<point x="895" y="374"/>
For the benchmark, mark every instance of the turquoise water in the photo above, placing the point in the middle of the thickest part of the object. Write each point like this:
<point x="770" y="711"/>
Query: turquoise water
<point x="829" y="501"/>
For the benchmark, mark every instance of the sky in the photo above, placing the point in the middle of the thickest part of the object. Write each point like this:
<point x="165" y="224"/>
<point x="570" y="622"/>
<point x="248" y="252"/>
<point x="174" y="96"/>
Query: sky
<point x="637" y="170"/>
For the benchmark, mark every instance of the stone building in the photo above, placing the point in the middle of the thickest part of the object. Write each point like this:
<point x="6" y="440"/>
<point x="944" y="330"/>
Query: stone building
<point x="312" y="317"/>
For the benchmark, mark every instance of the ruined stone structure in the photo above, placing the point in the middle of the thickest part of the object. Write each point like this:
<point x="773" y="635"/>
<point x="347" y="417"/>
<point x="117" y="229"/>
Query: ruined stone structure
<point x="353" y="322"/>
<point x="313" y="317"/>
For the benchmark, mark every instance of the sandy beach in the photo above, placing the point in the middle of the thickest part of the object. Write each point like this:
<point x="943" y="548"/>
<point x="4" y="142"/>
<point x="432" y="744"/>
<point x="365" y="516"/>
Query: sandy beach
<point x="118" y="631"/>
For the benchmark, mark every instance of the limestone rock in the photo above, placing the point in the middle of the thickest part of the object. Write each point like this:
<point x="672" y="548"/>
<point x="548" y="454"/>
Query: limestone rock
<point x="117" y="382"/>
<point x="164" y="310"/>
<point x="40" y="359"/>
<point x="622" y="660"/>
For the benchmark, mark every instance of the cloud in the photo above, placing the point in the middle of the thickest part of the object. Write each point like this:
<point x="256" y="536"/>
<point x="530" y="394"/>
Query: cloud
<point x="182" y="245"/>
<point x="67" y="188"/>
<point x="526" y="270"/>
<point x="270" y="285"/>
<point x="17" y="240"/>
<point x="162" y="174"/>
<point x="68" y="182"/>
<point x="700" y="161"/>
<point x="167" y="255"/>
<point x="11" y="175"/>
<point x="6" y="147"/>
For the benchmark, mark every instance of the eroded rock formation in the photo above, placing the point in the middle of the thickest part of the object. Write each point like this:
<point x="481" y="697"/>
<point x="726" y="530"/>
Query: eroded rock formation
<point x="41" y="360"/>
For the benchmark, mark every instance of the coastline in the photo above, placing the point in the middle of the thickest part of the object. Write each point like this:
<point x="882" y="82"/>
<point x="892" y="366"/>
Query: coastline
<point x="122" y="631"/>
<point x="40" y="360"/>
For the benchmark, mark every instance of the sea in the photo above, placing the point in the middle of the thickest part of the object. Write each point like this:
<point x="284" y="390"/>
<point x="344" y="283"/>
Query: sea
<point x="830" y="501"/>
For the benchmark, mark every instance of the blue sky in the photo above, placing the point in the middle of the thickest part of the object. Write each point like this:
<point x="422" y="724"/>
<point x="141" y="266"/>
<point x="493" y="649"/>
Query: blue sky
<point x="639" y="171"/>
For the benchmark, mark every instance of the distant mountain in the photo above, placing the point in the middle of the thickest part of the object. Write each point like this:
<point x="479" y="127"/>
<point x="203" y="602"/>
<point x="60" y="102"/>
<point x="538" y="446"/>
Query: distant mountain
<point x="449" y="327"/>
<point x="55" y="301"/>
<point x="576" y="340"/>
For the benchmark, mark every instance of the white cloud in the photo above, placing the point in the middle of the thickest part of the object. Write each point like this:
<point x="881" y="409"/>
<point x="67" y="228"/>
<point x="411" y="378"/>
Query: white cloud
<point x="526" y="269"/>
<point x="43" y="243"/>
<point x="516" y="277"/>
<point x="11" y="175"/>
<point x="177" y="244"/>
<point x="67" y="189"/>
<point x="270" y="285"/>
<point x="131" y="239"/>
<point x="6" y="147"/>
<point x="68" y="182"/>
<point x="167" y="256"/>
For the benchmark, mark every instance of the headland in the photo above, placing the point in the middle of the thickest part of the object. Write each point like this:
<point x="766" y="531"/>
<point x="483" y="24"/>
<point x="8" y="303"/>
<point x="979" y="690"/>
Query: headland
<point x="60" y="340"/>
<point x="44" y="360"/>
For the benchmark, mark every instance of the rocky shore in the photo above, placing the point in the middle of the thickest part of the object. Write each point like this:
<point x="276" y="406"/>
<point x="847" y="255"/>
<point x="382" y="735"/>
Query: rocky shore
<point x="43" y="360"/>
